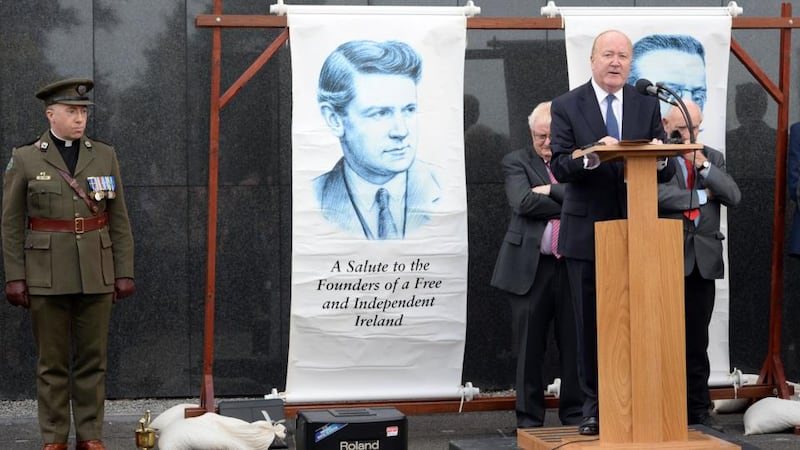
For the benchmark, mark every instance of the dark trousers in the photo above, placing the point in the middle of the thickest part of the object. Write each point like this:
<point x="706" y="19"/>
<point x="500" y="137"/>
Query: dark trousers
<point x="584" y="301"/>
<point x="699" y="305"/>
<point x="548" y="301"/>
<point x="71" y="334"/>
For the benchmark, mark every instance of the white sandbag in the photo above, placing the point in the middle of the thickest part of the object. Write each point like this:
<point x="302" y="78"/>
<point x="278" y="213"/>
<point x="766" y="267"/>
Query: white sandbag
<point x="771" y="415"/>
<point x="213" y="432"/>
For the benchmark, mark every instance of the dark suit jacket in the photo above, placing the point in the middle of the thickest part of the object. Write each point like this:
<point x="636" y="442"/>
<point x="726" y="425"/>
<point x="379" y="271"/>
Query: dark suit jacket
<point x="794" y="187"/>
<point x="599" y="194"/>
<point x="701" y="244"/>
<point x="518" y="259"/>
<point x="423" y="194"/>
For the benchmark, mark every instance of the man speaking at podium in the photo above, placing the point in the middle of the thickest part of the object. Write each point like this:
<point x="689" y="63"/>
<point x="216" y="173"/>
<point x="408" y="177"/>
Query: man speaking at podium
<point x="601" y="110"/>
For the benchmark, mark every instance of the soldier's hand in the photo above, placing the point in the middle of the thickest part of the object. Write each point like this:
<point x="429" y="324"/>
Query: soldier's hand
<point x="17" y="293"/>
<point x="123" y="287"/>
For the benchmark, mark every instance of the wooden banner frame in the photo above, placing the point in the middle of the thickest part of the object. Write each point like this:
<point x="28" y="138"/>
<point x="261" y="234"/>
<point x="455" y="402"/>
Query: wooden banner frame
<point x="772" y="377"/>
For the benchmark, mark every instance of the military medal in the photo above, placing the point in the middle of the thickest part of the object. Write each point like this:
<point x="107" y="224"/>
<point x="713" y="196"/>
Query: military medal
<point x="111" y="187"/>
<point x="43" y="176"/>
<point x="102" y="187"/>
<point x="92" y="186"/>
<point x="95" y="188"/>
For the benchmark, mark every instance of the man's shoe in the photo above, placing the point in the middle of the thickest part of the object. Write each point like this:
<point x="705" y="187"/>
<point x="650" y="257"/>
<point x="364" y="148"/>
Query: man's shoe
<point x="589" y="426"/>
<point x="708" y="421"/>
<point x="55" y="446"/>
<point x="89" y="445"/>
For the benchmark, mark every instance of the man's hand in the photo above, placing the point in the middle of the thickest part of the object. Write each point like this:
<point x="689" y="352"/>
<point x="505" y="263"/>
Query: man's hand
<point x="697" y="157"/>
<point x="17" y="293"/>
<point x="591" y="161"/>
<point x="543" y="189"/>
<point x="123" y="287"/>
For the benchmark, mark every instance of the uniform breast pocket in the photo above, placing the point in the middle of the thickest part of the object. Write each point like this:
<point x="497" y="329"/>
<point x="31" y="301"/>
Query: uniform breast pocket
<point x="43" y="196"/>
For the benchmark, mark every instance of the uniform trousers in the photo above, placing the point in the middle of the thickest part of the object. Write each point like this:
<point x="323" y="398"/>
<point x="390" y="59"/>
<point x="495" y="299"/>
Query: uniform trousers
<point x="71" y="336"/>
<point x="548" y="301"/>
<point x="699" y="305"/>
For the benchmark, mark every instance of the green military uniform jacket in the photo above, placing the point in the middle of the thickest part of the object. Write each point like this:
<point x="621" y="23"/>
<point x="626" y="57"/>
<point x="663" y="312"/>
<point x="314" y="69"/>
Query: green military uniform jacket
<point x="57" y="263"/>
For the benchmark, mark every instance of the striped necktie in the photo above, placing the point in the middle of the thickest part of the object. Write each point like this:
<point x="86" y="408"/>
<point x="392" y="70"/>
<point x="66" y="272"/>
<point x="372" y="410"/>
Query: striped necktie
<point x="555" y="224"/>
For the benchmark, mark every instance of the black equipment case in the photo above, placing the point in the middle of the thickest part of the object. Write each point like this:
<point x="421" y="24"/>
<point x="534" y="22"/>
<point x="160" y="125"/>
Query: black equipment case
<point x="352" y="429"/>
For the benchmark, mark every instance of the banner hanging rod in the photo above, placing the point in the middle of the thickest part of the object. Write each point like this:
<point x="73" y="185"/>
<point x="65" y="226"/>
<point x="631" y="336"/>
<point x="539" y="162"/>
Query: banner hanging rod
<point x="469" y="10"/>
<point x="551" y="10"/>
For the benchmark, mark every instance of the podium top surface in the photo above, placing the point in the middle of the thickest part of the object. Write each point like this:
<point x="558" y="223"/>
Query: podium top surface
<point x="636" y="148"/>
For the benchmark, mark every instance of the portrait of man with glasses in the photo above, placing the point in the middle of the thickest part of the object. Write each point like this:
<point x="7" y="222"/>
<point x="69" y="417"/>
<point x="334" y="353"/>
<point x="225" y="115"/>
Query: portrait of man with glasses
<point x="677" y="60"/>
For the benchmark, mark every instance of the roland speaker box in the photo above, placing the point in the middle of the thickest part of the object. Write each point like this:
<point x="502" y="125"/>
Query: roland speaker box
<point x="352" y="429"/>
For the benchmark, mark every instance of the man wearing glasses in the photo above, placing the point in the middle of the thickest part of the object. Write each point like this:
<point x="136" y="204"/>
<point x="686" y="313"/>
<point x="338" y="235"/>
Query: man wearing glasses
<point x="694" y="196"/>
<point x="533" y="274"/>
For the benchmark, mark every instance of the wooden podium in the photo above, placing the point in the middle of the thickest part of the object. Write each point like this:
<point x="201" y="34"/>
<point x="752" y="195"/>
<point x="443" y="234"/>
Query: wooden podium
<point x="640" y="320"/>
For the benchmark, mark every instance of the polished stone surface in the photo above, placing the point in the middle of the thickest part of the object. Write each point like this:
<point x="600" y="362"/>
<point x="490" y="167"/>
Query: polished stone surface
<point x="152" y="73"/>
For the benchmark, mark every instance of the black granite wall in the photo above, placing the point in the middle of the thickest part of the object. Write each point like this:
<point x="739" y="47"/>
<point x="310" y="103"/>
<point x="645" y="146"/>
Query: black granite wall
<point x="151" y="68"/>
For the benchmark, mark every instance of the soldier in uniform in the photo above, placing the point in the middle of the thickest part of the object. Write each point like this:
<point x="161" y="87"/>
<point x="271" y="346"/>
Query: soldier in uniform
<point x="68" y="255"/>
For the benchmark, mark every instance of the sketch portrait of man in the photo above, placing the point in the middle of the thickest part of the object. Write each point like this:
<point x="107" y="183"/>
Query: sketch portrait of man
<point x="677" y="60"/>
<point x="367" y="96"/>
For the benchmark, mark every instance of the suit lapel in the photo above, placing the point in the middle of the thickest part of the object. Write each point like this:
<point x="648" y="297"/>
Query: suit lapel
<point x="52" y="155"/>
<point x="337" y="204"/>
<point x="85" y="155"/>
<point x="630" y="110"/>
<point x="679" y="171"/>
<point x="590" y="110"/>
<point x="539" y="167"/>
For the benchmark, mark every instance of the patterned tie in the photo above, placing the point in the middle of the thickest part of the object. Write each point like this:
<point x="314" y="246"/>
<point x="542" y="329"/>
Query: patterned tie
<point x="555" y="224"/>
<point x="386" y="226"/>
<point x="690" y="214"/>
<point x="611" y="120"/>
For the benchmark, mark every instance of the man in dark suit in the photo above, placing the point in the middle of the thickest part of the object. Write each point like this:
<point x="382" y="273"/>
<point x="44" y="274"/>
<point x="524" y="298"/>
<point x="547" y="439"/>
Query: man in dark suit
<point x="368" y="98"/>
<point x="794" y="188"/>
<point x="533" y="273"/>
<point x="602" y="110"/>
<point x="68" y="255"/>
<point x="694" y="195"/>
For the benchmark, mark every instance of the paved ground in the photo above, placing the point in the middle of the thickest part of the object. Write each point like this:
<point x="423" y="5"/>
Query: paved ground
<point x="467" y="431"/>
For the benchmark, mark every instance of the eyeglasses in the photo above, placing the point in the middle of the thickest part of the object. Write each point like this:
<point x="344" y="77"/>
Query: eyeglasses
<point x="683" y="128"/>
<point x="698" y="95"/>
<point x="541" y="137"/>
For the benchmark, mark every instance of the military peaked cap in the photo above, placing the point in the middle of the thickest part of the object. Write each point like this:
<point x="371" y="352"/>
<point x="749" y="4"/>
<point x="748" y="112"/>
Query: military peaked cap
<point x="71" y="91"/>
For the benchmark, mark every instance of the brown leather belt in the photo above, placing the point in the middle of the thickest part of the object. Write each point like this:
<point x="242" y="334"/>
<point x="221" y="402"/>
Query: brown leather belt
<point x="78" y="225"/>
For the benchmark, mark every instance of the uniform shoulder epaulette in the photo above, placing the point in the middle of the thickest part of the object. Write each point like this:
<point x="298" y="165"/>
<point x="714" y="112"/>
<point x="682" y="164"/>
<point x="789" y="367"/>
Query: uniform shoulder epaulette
<point x="92" y="143"/>
<point x="99" y="141"/>
<point x="35" y="140"/>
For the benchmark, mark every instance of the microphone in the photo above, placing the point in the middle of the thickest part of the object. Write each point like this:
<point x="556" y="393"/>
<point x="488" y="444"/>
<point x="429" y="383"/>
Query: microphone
<point x="646" y="87"/>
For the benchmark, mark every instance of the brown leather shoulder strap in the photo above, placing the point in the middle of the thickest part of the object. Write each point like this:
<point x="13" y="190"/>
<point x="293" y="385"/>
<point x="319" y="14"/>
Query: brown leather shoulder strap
<point x="76" y="187"/>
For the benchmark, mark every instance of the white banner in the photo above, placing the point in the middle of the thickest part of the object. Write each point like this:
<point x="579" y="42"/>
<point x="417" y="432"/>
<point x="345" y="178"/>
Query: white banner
<point x="697" y="66"/>
<point x="379" y="234"/>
